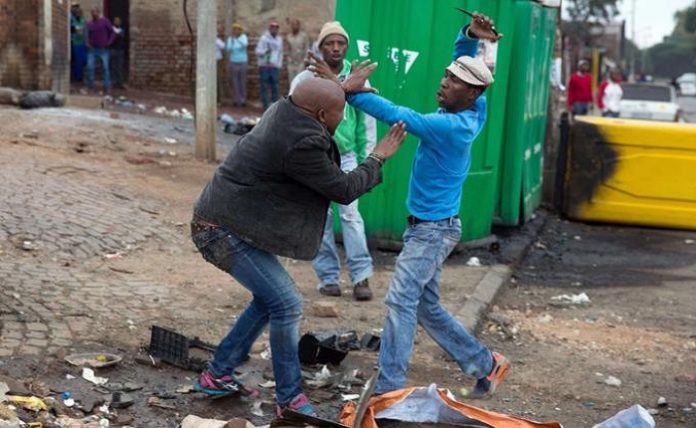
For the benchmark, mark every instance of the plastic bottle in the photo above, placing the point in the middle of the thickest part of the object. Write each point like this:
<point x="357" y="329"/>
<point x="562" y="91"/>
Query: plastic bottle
<point x="633" y="417"/>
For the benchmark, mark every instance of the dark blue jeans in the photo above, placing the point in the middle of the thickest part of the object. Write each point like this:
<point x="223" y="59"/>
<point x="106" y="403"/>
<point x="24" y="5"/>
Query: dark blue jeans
<point x="268" y="80"/>
<point x="414" y="298"/>
<point x="78" y="62"/>
<point x="276" y="301"/>
<point x="103" y="55"/>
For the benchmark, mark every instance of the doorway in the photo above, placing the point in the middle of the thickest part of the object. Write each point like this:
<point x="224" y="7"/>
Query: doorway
<point x="121" y="9"/>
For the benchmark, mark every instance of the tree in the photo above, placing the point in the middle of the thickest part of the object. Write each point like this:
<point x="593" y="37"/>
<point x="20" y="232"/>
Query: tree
<point x="592" y="10"/>
<point x="677" y="53"/>
<point x="584" y="12"/>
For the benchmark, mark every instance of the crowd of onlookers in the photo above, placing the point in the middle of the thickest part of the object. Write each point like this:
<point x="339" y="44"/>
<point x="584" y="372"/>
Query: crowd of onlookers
<point x="98" y="39"/>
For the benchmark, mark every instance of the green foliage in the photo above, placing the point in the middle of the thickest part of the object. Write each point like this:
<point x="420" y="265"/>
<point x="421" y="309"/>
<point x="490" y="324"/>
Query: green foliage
<point x="592" y="10"/>
<point x="677" y="53"/>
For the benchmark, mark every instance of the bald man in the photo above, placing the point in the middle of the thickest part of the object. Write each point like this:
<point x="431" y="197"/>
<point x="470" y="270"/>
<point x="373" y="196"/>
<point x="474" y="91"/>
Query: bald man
<point x="270" y="198"/>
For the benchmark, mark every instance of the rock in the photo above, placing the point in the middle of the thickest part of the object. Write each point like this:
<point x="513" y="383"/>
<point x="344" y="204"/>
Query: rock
<point x="612" y="381"/>
<point x="662" y="402"/>
<point x="324" y="309"/>
<point x="15" y="387"/>
<point x="122" y="420"/>
<point x="89" y="402"/>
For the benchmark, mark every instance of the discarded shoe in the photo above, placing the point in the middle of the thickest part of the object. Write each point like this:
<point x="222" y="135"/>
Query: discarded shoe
<point x="332" y="290"/>
<point x="207" y="383"/>
<point x="299" y="404"/>
<point x="361" y="291"/>
<point x="487" y="385"/>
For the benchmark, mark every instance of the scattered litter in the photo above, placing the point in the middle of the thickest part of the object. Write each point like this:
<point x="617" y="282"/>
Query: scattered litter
<point x="576" y="284"/>
<point x="185" y="389"/>
<point x="327" y="346"/>
<point x="571" y="299"/>
<point x="121" y="400"/>
<point x="266" y="354"/>
<point x="93" y="359"/>
<point x="662" y="402"/>
<point x="464" y="392"/>
<point x="349" y="397"/>
<point x="169" y="140"/>
<point x="474" y="262"/>
<point x="577" y="238"/>
<point x="227" y="119"/>
<point x="370" y="342"/>
<point x="268" y="384"/>
<point x="689" y="241"/>
<point x="612" y="381"/>
<point x="30" y="403"/>
<point x="173" y="348"/>
<point x="321" y="379"/>
<point x="192" y="421"/>
<point x="160" y="110"/>
<point x="28" y="246"/>
<point x="256" y="409"/>
<point x="633" y="417"/>
<point x="70" y="402"/>
<point x="88" y="375"/>
<point x="156" y="402"/>
<point x="4" y="389"/>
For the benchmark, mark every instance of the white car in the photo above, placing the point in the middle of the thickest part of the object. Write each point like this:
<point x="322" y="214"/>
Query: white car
<point x="687" y="84"/>
<point x="650" y="102"/>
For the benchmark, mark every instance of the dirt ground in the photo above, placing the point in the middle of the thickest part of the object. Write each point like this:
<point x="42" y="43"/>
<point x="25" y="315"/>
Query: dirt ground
<point x="640" y="326"/>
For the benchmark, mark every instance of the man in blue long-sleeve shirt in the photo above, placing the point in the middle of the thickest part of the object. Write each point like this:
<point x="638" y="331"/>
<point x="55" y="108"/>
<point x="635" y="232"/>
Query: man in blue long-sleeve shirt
<point x="439" y="169"/>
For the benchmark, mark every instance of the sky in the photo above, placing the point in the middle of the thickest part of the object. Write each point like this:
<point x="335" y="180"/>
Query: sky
<point x="654" y="18"/>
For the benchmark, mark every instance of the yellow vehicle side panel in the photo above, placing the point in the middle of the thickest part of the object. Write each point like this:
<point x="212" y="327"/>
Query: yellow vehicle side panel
<point x="647" y="173"/>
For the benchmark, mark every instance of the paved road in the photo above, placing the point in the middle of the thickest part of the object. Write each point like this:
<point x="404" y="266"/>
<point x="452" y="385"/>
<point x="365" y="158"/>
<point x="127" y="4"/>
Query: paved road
<point x="688" y="104"/>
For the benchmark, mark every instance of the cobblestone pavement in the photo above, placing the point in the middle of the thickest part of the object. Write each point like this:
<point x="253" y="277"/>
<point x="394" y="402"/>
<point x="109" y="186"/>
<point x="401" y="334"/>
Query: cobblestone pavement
<point x="62" y="213"/>
<point x="51" y="226"/>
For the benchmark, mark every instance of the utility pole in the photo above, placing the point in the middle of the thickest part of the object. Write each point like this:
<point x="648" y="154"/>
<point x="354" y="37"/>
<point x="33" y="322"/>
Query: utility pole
<point x="635" y="42"/>
<point x="206" y="79"/>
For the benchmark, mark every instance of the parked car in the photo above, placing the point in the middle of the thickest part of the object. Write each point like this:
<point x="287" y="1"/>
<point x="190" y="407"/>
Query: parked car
<point x="687" y="84"/>
<point x="650" y="102"/>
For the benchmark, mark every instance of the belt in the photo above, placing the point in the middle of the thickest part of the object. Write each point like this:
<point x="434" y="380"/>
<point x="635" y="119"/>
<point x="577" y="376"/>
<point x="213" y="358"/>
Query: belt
<point x="413" y="220"/>
<point x="198" y="226"/>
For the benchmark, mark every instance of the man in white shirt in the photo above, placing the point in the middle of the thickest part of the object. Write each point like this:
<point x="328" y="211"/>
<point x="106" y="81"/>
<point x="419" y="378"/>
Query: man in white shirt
<point x="269" y="54"/>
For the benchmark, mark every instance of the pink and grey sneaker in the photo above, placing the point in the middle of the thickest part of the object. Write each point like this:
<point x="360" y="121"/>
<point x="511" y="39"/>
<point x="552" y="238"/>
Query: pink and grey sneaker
<point x="207" y="383"/>
<point x="299" y="404"/>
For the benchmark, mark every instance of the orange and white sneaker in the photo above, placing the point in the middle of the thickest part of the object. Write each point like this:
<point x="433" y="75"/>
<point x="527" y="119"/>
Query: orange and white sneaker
<point x="487" y="385"/>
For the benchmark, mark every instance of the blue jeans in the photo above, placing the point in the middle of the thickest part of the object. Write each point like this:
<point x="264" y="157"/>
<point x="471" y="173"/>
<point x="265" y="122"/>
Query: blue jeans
<point x="268" y="79"/>
<point x="276" y="302"/>
<point x="610" y="113"/>
<point x="327" y="264"/>
<point x="103" y="55"/>
<point x="414" y="297"/>
<point x="78" y="61"/>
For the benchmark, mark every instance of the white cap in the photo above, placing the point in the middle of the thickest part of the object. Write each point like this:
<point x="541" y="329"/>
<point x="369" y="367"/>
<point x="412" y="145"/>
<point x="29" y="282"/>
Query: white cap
<point x="471" y="70"/>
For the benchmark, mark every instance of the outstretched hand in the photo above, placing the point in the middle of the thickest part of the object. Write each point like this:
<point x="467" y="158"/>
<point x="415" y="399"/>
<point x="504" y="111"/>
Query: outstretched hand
<point x="390" y="143"/>
<point x="356" y="80"/>
<point x="483" y="27"/>
<point x="320" y="68"/>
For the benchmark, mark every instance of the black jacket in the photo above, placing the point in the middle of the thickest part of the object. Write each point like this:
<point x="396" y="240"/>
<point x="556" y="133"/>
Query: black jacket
<point x="274" y="188"/>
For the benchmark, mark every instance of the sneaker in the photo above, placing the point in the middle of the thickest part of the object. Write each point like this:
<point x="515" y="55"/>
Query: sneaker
<point x="332" y="290"/>
<point x="487" y="385"/>
<point x="299" y="404"/>
<point x="361" y="291"/>
<point x="226" y="385"/>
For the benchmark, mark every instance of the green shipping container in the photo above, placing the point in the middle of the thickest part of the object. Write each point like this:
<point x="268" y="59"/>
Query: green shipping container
<point x="413" y="40"/>
<point x="521" y="169"/>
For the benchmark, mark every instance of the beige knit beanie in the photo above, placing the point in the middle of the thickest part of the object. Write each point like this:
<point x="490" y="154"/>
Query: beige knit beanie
<point x="333" y="27"/>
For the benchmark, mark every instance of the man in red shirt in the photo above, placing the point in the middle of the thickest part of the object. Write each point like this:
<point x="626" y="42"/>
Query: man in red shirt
<point x="580" y="90"/>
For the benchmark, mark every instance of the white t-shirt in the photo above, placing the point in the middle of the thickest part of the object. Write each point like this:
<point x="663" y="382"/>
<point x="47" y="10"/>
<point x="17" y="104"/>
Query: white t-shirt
<point x="612" y="97"/>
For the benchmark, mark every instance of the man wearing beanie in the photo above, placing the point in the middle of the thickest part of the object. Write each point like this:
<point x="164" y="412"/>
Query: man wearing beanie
<point x="355" y="136"/>
<point x="440" y="166"/>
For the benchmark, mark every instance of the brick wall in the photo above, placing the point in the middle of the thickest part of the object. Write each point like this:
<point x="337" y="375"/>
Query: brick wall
<point x="161" y="46"/>
<point x="19" y="43"/>
<point x="34" y="51"/>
